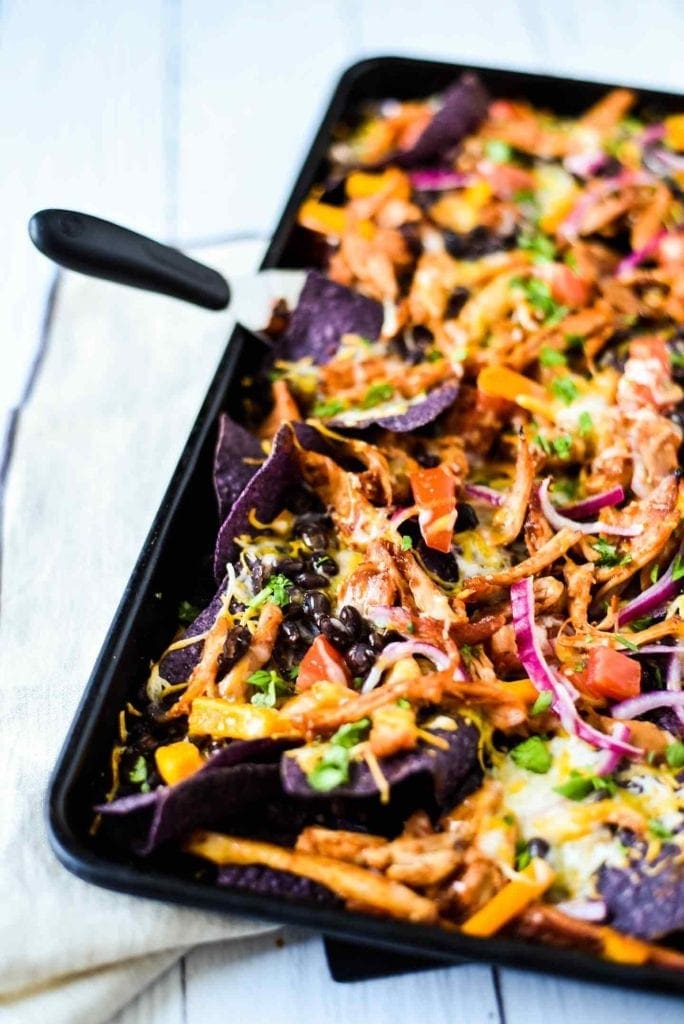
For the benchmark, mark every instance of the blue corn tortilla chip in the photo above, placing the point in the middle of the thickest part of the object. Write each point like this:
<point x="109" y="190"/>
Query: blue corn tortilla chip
<point x="451" y="769"/>
<point x="417" y="415"/>
<point x="464" y="106"/>
<point x="237" y="458"/>
<point x="279" y="884"/>
<point x="325" y="311"/>
<point x="265" y="494"/>
<point x="241" y="775"/>
<point x="646" y="899"/>
<point x="176" y="666"/>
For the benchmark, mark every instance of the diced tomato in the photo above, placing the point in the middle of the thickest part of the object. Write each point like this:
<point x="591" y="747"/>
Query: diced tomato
<point x="610" y="674"/>
<point x="650" y="347"/>
<point x="567" y="287"/>
<point x="435" y="493"/>
<point x="322" y="662"/>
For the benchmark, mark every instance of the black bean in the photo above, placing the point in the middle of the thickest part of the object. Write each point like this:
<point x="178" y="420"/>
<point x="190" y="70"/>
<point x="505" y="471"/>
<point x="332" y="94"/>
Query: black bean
<point x="235" y="645"/>
<point x="290" y="631"/>
<point x="334" y="630"/>
<point x="290" y="567"/>
<point x="377" y="641"/>
<point x="350" y="618"/>
<point x="456" y="302"/>
<point x="360" y="658"/>
<point x="315" y="539"/>
<point x="325" y="564"/>
<point x="310" y="580"/>
<point x="316" y="603"/>
<point x="466" y="518"/>
<point x="538" y="847"/>
<point x="259" y="576"/>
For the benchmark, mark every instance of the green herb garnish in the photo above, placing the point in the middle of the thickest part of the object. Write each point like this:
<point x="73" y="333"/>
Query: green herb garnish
<point x="497" y="151"/>
<point x="406" y="543"/>
<point x="542" y="703"/>
<point x="375" y="395"/>
<point x="678" y="568"/>
<point x="275" y="590"/>
<point x="523" y="855"/>
<point x="533" y="754"/>
<point x="333" y="768"/>
<point x="574" y="341"/>
<point x="564" y="389"/>
<point x="540" y="246"/>
<point x="674" y="754"/>
<point x="403" y="703"/>
<point x="562" y="446"/>
<point x="138" y="774"/>
<point x="627" y="643"/>
<point x="187" y="612"/>
<point x="538" y="294"/>
<point x="271" y="686"/>
<point x="657" y="829"/>
<point x="609" y="556"/>
<point x="328" y="409"/>
<point x="655" y="573"/>
<point x="551" y="357"/>
<point x="580" y="786"/>
<point x="585" y="423"/>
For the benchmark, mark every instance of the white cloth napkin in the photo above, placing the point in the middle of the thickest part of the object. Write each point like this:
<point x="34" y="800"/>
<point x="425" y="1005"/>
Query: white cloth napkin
<point x="122" y="380"/>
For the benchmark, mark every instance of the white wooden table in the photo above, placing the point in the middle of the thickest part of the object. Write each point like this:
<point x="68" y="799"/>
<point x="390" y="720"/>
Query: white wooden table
<point x="187" y="119"/>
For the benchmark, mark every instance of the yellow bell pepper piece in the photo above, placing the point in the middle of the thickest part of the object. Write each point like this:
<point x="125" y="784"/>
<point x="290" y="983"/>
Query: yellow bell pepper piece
<point x="177" y="761"/>
<point x="625" y="949"/>
<point x="510" y="901"/>
<point x="393" y="182"/>
<point x="500" y="382"/>
<point x="330" y="220"/>
<point x="674" y="131"/>
<point x="222" y="719"/>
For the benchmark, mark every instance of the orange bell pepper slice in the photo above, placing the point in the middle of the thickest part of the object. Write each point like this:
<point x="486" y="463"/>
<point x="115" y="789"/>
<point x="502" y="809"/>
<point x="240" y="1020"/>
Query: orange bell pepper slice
<point x="435" y="493"/>
<point x="393" y="182"/>
<point x="510" y="901"/>
<point x="500" y="382"/>
<point x="330" y="220"/>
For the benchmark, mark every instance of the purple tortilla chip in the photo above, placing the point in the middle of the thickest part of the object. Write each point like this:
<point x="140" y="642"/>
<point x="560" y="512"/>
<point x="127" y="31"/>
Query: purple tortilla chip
<point x="265" y="493"/>
<point x="240" y="775"/>
<point x="464" y="105"/>
<point x="417" y="415"/>
<point x="176" y="666"/>
<point x="325" y="311"/>
<point x="279" y="884"/>
<point x="646" y="900"/>
<point x="449" y="769"/>
<point x="232" y="473"/>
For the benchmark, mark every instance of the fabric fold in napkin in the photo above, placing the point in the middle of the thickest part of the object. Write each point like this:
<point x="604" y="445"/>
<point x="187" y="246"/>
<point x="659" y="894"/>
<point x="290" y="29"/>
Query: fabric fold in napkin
<point x="122" y="380"/>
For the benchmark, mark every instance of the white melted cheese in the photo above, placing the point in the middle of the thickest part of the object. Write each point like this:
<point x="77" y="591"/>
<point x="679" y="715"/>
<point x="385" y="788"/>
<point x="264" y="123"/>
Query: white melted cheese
<point x="476" y="556"/>
<point x="579" y="843"/>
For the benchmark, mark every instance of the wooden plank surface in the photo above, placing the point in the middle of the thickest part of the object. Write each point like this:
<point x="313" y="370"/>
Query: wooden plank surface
<point x="187" y="118"/>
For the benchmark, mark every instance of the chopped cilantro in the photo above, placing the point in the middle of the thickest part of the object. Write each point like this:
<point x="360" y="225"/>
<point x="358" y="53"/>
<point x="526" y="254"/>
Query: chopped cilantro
<point x="357" y="682"/>
<point x="293" y="672"/>
<point x="585" y="423"/>
<point x="570" y="260"/>
<point x="674" y="754"/>
<point x="433" y="355"/>
<point x="580" y="786"/>
<point x="498" y="152"/>
<point x="138" y="774"/>
<point x="524" y="196"/>
<point x="574" y="341"/>
<point x="406" y="543"/>
<point x="523" y="855"/>
<point x="275" y="590"/>
<point x="532" y="754"/>
<point x="538" y="294"/>
<point x="403" y="703"/>
<point x="609" y="556"/>
<point x="677" y="358"/>
<point x="540" y="247"/>
<point x="655" y="573"/>
<point x="327" y="409"/>
<point x="543" y="443"/>
<point x="270" y="685"/>
<point x="550" y="357"/>
<point x="376" y="394"/>
<point x="656" y="828"/>
<point x="187" y="612"/>
<point x="333" y="768"/>
<point x="564" y="389"/>
<point x="678" y="568"/>
<point x="508" y="819"/>
<point x="643" y="623"/>
<point x="562" y="446"/>
<point x="542" y="703"/>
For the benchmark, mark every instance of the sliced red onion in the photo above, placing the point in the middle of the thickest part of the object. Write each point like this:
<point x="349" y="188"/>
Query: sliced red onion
<point x="640" y="255"/>
<point x="635" y="706"/>
<point x="673" y="680"/>
<point x="487" y="495"/>
<point x="584" y="910"/>
<point x="658" y="649"/>
<point x="401" y="515"/>
<point x="604" y="187"/>
<point x="652" y="133"/>
<point x="611" y="759"/>
<point x="558" y="521"/>
<point x="404" y="649"/>
<point x="585" y="165"/>
<point x="543" y="677"/>
<point x="659" y="159"/>
<point x="655" y="596"/>
<point x="437" y="179"/>
<point x="590" y="506"/>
